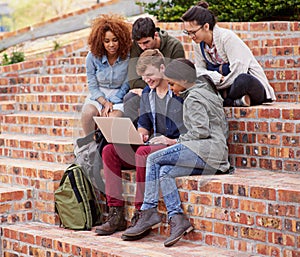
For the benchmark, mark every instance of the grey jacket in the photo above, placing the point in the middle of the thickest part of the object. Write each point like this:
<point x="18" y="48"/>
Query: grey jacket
<point x="206" y="124"/>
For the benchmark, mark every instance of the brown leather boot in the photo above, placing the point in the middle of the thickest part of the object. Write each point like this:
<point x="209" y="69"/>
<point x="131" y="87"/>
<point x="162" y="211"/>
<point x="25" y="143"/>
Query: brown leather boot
<point x="180" y="226"/>
<point x="147" y="219"/>
<point x="115" y="221"/>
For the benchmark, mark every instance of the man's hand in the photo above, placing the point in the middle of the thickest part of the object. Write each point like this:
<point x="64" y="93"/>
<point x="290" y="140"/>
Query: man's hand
<point x="144" y="133"/>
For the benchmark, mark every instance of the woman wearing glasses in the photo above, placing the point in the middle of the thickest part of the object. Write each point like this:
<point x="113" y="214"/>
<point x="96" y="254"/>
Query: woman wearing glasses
<point x="226" y="59"/>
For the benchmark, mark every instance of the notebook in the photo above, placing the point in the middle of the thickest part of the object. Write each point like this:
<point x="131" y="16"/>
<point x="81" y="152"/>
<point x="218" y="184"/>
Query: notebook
<point x="118" y="130"/>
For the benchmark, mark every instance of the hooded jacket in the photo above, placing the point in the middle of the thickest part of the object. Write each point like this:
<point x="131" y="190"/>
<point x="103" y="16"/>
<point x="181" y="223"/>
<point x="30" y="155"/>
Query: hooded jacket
<point x="170" y="47"/>
<point x="206" y="124"/>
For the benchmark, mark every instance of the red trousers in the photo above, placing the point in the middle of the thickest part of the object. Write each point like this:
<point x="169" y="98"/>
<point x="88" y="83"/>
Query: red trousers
<point x="118" y="157"/>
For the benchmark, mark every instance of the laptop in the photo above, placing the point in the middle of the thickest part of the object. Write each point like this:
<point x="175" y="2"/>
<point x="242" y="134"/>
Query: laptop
<point x="118" y="130"/>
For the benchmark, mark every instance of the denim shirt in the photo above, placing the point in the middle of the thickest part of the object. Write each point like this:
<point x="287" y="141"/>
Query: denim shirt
<point x="100" y="74"/>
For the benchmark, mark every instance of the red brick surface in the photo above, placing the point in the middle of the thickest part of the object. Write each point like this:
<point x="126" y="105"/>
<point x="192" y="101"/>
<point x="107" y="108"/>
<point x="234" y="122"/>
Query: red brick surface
<point x="42" y="240"/>
<point x="255" y="212"/>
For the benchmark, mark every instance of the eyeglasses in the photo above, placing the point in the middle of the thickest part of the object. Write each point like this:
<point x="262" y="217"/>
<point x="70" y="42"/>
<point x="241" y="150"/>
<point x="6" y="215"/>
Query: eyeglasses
<point x="191" y="33"/>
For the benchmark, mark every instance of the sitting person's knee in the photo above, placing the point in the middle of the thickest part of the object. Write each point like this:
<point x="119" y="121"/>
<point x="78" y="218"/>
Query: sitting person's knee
<point x="89" y="111"/>
<point x="108" y="150"/>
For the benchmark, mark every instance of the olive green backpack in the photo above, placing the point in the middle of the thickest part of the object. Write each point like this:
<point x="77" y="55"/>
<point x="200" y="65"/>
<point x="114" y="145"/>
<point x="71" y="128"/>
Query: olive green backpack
<point x="75" y="201"/>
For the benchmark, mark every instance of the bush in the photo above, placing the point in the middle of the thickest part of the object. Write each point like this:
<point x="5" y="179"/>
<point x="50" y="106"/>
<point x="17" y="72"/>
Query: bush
<point x="256" y="10"/>
<point x="229" y="10"/>
<point x="14" y="58"/>
<point x="170" y="10"/>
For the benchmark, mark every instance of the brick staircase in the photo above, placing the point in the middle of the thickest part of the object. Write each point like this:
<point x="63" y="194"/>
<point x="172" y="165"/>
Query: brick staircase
<point x="255" y="212"/>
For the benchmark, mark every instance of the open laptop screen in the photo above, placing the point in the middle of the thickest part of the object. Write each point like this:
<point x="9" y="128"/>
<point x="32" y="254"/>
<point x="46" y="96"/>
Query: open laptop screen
<point x="118" y="130"/>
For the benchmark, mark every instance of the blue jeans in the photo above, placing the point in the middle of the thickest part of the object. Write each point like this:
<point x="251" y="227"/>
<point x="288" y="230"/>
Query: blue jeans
<point x="162" y="168"/>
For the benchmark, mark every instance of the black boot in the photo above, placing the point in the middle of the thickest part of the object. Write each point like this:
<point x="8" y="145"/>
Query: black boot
<point x="115" y="221"/>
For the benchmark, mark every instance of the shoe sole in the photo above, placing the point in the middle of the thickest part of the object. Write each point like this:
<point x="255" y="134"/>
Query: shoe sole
<point x="247" y="102"/>
<point x="142" y="232"/>
<point x="175" y="240"/>
<point x="105" y="233"/>
<point x="133" y="238"/>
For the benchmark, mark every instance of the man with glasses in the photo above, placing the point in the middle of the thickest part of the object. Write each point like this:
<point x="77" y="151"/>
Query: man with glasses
<point x="146" y="36"/>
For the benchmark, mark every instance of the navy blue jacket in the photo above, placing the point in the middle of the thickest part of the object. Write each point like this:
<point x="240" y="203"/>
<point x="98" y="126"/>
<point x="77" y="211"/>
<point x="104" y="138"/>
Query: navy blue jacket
<point x="173" y="118"/>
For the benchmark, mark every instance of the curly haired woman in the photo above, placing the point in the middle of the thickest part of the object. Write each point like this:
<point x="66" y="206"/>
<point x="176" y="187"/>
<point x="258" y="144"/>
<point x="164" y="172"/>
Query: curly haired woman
<point x="106" y="69"/>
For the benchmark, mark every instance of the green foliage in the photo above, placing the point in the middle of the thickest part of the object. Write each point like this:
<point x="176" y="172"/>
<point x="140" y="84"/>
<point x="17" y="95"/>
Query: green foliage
<point x="170" y="10"/>
<point x="56" y="45"/>
<point x="14" y="58"/>
<point x="256" y="10"/>
<point x="229" y="10"/>
<point x="5" y="60"/>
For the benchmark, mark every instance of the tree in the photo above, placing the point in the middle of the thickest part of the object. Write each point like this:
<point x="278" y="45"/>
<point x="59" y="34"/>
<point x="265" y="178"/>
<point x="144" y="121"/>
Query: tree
<point x="229" y="10"/>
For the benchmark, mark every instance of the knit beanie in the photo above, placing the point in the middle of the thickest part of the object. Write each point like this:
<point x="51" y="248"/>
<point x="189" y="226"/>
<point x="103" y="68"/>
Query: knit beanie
<point x="181" y="69"/>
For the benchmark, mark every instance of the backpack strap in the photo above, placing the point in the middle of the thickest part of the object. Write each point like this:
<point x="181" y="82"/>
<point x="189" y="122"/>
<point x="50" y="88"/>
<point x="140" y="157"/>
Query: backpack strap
<point x="210" y="64"/>
<point x="203" y="54"/>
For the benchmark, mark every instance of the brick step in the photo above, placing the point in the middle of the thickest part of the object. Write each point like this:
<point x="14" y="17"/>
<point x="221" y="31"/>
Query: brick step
<point x="25" y="172"/>
<point x="251" y="211"/>
<point x="37" y="147"/>
<point x="60" y="65"/>
<point x="63" y="83"/>
<point x="37" y="123"/>
<point x="280" y="63"/>
<point x="45" y="240"/>
<point x="265" y="136"/>
<point x="69" y="102"/>
<point x="41" y="177"/>
<point x="76" y="65"/>
<point x="287" y="91"/>
<point x="65" y="65"/>
<point x="7" y="107"/>
<point x="260" y="136"/>
<point x="16" y="204"/>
